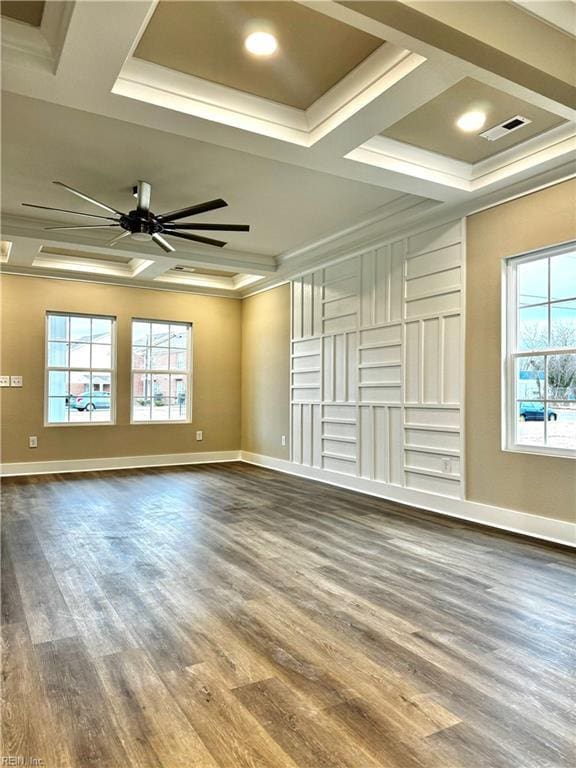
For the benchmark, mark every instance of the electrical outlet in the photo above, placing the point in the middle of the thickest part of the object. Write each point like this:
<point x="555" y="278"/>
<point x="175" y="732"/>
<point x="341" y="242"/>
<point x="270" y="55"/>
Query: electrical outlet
<point x="199" y="435"/>
<point x="15" y="381"/>
<point x="284" y="440"/>
<point x="32" y="441"/>
<point x="447" y="465"/>
<point x="4" y="381"/>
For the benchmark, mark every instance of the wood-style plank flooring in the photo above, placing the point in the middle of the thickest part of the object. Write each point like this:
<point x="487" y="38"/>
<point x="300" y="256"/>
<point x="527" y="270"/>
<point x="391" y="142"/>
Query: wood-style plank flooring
<point x="228" y="616"/>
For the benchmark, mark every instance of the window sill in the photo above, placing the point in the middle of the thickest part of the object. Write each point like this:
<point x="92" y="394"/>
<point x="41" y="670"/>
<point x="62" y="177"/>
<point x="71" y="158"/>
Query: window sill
<point x="559" y="453"/>
<point x="82" y="424"/>
<point x="148" y="423"/>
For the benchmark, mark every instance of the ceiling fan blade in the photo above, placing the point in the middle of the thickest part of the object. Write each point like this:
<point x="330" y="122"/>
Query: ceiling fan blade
<point x="89" y="199"/>
<point x="144" y="191"/>
<point x="213" y="227"/>
<point x="118" y="237"/>
<point x="86" y="226"/>
<point x="192" y="210"/>
<point x="65" y="210"/>
<point x="164" y="244"/>
<point x="195" y="238"/>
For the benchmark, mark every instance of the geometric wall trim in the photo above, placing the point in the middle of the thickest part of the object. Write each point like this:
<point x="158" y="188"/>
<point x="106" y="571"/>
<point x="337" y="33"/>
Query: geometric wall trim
<point x="377" y="364"/>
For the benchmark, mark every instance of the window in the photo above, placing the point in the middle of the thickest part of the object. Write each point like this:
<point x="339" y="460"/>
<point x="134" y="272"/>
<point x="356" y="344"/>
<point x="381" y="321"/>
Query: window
<point x="80" y="364"/>
<point x="160" y="371"/>
<point x="540" y="366"/>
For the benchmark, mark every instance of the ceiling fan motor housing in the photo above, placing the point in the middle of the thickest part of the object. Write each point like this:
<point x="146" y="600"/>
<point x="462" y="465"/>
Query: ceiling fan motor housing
<point x="140" y="222"/>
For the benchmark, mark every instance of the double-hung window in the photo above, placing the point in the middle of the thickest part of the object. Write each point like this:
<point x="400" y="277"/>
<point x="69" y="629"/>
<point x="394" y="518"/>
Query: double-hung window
<point x="540" y="352"/>
<point x="161" y="367"/>
<point x="80" y="365"/>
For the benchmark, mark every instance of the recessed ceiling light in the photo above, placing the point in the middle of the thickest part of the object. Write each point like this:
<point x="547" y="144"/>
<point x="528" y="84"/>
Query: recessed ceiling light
<point x="471" y="121"/>
<point x="261" y="44"/>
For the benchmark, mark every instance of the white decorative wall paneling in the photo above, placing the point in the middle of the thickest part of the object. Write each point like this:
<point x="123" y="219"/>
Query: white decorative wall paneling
<point x="377" y="343"/>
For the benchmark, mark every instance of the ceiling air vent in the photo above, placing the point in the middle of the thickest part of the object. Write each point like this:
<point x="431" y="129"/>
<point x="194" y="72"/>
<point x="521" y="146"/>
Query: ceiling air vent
<point x="508" y="126"/>
<point x="181" y="268"/>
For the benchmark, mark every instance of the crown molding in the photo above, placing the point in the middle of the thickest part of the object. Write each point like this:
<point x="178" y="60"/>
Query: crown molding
<point x="370" y="235"/>
<point x="163" y="87"/>
<point x="548" y="148"/>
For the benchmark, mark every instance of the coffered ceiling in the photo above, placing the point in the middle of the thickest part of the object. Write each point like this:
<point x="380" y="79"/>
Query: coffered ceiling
<point x="346" y="134"/>
<point x="433" y="125"/>
<point x="206" y="39"/>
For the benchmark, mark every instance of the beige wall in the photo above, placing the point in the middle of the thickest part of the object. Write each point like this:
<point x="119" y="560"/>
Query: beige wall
<point x="266" y="372"/>
<point x="542" y="485"/>
<point x="216" y="372"/>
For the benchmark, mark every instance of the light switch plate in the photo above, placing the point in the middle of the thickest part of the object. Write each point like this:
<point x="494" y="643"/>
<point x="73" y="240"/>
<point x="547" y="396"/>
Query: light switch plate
<point x="199" y="435"/>
<point x="15" y="381"/>
<point x="4" y="381"/>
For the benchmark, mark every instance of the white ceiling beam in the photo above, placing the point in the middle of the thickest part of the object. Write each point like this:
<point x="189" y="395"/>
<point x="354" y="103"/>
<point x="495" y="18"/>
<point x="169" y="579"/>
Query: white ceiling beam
<point x="24" y="250"/>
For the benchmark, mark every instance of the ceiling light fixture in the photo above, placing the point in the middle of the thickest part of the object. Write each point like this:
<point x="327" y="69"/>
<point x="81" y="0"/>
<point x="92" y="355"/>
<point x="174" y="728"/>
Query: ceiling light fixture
<point x="261" y="44"/>
<point x="471" y="121"/>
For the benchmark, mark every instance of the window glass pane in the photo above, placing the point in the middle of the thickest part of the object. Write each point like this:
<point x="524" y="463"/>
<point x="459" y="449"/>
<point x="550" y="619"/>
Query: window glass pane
<point x="140" y="358"/>
<point x="141" y="333"/>
<point x="79" y="392"/>
<point x="141" y="396"/>
<point x="159" y="358"/>
<point x="530" y="378"/>
<point x="100" y="400"/>
<point x="178" y="398"/>
<point x="80" y="355"/>
<point x="57" y="410"/>
<point x="102" y="330"/>
<point x="562" y="425"/>
<point x="178" y="360"/>
<point x="57" y="355"/>
<point x="101" y="356"/>
<point x="530" y="423"/>
<point x="532" y="277"/>
<point x="563" y="277"/>
<point x="58" y="383"/>
<point x="160" y="334"/>
<point x="160" y="397"/>
<point x="562" y="377"/>
<point x="533" y="328"/>
<point x="58" y="327"/>
<point x="563" y="319"/>
<point x="80" y="329"/>
<point x="179" y="336"/>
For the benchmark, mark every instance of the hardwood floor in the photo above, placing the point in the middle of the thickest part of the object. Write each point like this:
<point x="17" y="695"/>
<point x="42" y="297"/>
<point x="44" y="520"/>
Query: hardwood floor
<point x="228" y="616"/>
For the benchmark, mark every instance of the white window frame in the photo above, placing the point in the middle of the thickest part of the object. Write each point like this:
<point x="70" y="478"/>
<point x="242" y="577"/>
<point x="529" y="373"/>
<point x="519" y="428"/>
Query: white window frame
<point x="112" y="371"/>
<point x="187" y="374"/>
<point x="510" y="353"/>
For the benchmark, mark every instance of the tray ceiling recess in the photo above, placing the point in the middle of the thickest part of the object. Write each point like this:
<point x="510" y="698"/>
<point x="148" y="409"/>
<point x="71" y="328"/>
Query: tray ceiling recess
<point x="192" y="57"/>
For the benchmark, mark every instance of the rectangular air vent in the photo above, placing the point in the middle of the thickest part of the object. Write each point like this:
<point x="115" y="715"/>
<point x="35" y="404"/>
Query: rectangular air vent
<point x="508" y="126"/>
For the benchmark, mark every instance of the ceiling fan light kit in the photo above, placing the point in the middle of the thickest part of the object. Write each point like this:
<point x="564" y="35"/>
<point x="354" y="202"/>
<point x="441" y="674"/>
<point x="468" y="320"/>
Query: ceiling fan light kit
<point x="143" y="225"/>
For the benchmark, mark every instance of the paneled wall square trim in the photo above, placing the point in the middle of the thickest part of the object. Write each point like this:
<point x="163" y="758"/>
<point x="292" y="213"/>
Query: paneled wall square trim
<point x="377" y="363"/>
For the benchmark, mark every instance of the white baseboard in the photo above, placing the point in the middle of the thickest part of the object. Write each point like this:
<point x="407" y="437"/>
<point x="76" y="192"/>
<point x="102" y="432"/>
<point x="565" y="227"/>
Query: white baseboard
<point x="546" y="528"/>
<point x="119" y="462"/>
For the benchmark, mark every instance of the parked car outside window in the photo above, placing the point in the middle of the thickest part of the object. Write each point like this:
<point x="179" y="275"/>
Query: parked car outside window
<point x="535" y="412"/>
<point x="90" y="401"/>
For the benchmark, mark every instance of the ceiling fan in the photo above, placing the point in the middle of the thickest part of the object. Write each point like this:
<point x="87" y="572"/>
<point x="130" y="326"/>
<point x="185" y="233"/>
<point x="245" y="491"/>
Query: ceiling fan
<point x="142" y="225"/>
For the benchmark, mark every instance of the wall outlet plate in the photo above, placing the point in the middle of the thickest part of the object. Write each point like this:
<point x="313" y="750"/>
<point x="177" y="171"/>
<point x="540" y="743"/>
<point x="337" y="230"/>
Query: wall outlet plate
<point x="32" y="441"/>
<point x="4" y="381"/>
<point x="283" y="440"/>
<point x="199" y="435"/>
<point x="15" y="381"/>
